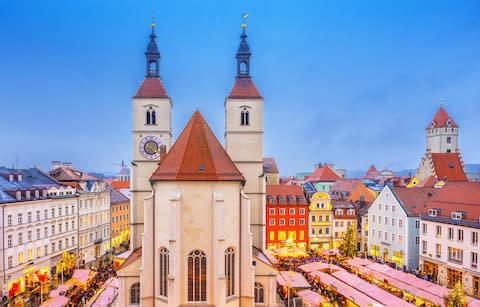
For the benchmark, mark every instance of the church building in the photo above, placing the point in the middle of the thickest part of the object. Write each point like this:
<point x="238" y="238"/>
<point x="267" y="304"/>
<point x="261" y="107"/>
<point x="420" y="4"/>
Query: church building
<point x="197" y="209"/>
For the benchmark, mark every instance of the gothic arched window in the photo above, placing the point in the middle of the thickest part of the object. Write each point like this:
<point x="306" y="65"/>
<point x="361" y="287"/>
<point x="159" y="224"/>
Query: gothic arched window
<point x="197" y="276"/>
<point x="259" y="293"/>
<point x="135" y="293"/>
<point x="244" y="117"/>
<point x="154" y="118"/>
<point x="148" y="118"/>
<point x="164" y="263"/>
<point x="230" y="271"/>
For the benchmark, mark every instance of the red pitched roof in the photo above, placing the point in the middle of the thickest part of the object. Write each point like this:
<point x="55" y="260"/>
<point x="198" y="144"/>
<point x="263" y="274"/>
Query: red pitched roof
<point x="372" y="173"/>
<point x="457" y="196"/>
<point x="428" y="182"/>
<point x="273" y="191"/>
<point x="244" y="88"/>
<point x="197" y="155"/>
<point x="151" y="88"/>
<point x="440" y="120"/>
<point x="448" y="166"/>
<point x="414" y="200"/>
<point x="132" y="258"/>
<point x="323" y="173"/>
<point x="120" y="184"/>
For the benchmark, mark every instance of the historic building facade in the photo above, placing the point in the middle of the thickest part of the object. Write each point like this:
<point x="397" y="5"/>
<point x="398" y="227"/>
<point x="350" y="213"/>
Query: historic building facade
<point x="39" y="224"/>
<point x="194" y="206"/>
<point x="320" y="221"/>
<point x="449" y="236"/>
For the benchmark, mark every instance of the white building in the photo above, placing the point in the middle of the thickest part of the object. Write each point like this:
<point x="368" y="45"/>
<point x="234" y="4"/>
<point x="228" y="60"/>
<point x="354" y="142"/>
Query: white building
<point x="449" y="234"/>
<point x="93" y="212"/>
<point x="39" y="223"/>
<point x="393" y="225"/>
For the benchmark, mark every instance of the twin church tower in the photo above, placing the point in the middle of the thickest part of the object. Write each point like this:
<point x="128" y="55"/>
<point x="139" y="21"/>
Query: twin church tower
<point x="197" y="208"/>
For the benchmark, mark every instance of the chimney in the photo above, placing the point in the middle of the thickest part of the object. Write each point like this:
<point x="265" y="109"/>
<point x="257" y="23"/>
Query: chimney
<point x="163" y="152"/>
<point x="56" y="164"/>
<point x="67" y="164"/>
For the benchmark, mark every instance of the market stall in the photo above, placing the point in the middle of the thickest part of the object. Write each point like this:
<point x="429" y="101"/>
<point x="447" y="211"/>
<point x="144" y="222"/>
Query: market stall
<point x="313" y="299"/>
<point x="83" y="277"/>
<point x="61" y="290"/>
<point x="346" y="295"/>
<point x="319" y="266"/>
<point x="59" y="301"/>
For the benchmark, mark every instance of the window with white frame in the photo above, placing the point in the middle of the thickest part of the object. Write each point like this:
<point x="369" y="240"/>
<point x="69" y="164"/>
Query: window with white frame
<point x="460" y="235"/>
<point x="474" y="260"/>
<point x="474" y="237"/>
<point x="455" y="255"/>
<point x="271" y="222"/>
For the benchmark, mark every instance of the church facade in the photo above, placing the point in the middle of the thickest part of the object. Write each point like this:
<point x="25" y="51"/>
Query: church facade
<point x="197" y="209"/>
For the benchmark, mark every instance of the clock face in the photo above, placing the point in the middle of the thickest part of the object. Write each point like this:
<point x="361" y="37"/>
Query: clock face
<point x="150" y="147"/>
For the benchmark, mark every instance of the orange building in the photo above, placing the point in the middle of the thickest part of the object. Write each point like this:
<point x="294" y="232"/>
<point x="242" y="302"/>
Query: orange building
<point x="287" y="216"/>
<point x="351" y="189"/>
<point x="120" y="215"/>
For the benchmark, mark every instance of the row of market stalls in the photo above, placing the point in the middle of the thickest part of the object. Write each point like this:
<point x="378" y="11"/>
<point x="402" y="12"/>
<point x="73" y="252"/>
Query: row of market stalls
<point x="293" y="284"/>
<point x="65" y="293"/>
<point x="106" y="295"/>
<point x="411" y="288"/>
<point x="346" y="288"/>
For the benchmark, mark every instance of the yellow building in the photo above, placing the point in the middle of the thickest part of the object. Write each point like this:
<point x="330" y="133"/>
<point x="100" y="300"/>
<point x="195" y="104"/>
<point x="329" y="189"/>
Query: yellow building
<point x="320" y="218"/>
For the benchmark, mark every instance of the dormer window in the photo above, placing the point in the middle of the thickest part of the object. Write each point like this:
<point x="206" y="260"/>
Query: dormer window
<point x="432" y="125"/>
<point x="433" y="212"/>
<point x="449" y="123"/>
<point x="456" y="215"/>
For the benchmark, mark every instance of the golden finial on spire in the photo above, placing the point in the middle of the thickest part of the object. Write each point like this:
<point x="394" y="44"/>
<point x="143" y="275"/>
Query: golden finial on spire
<point x="244" y="23"/>
<point x="153" y="21"/>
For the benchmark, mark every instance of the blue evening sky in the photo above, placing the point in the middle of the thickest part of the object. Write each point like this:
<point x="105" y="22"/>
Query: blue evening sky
<point x="348" y="82"/>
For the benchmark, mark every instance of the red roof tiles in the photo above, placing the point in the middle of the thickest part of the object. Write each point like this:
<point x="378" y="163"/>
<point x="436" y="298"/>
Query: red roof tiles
<point x="151" y="88"/>
<point x="197" y="155"/>
<point x="120" y="184"/>
<point x="323" y="173"/>
<point x="244" y="88"/>
<point x="132" y="258"/>
<point x="270" y="166"/>
<point x="372" y="173"/>
<point x="294" y="191"/>
<point x="448" y="166"/>
<point x="459" y="197"/>
<point x="441" y="119"/>
<point x="414" y="200"/>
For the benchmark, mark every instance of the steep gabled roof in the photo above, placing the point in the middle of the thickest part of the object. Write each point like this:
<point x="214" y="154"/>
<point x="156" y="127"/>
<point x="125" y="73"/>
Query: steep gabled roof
<point x="413" y="200"/>
<point x="67" y="173"/>
<point x="372" y="173"/>
<point x="244" y="88"/>
<point x="448" y="166"/>
<point x="441" y="119"/>
<point x="151" y="88"/>
<point x="323" y="173"/>
<point x="197" y="155"/>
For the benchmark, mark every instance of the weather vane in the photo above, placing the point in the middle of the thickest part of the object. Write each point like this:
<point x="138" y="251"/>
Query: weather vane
<point x="153" y="21"/>
<point x="244" y="23"/>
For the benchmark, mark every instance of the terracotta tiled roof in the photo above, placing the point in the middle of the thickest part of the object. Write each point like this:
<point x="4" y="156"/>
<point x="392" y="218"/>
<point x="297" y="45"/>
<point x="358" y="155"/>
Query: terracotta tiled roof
<point x="244" y="88"/>
<point x="414" y="200"/>
<point x="440" y="120"/>
<point x="197" y="155"/>
<point x="295" y="192"/>
<point x="120" y="184"/>
<point x="323" y="173"/>
<point x="270" y="166"/>
<point x="66" y="173"/>
<point x="132" y="258"/>
<point x="448" y="166"/>
<point x="151" y="88"/>
<point x="372" y="173"/>
<point x="344" y="185"/>
<point x="457" y="196"/>
<point x="428" y="182"/>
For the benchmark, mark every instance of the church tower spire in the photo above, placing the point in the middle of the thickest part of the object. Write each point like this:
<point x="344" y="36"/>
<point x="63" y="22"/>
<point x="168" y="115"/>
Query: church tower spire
<point x="152" y="55"/>
<point x="243" y="53"/>
<point x="244" y="137"/>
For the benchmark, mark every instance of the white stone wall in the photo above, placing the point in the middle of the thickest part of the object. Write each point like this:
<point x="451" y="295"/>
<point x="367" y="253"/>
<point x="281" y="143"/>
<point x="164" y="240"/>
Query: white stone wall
<point x="437" y="140"/>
